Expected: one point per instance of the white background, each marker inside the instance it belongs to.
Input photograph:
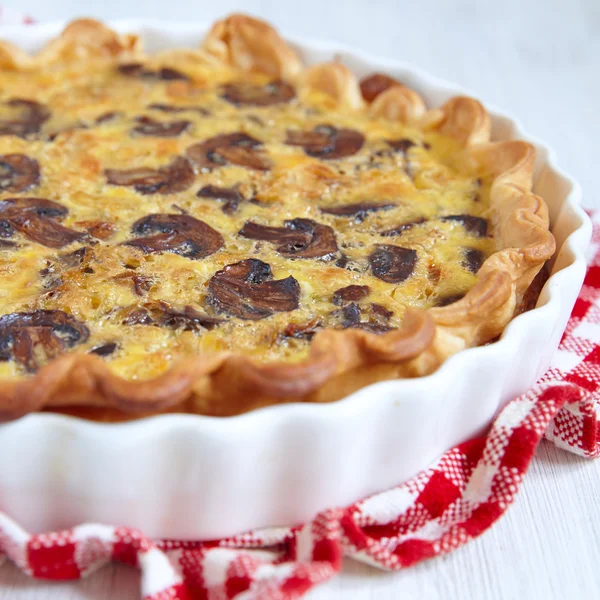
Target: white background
(540, 60)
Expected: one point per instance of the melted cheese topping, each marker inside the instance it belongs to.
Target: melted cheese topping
(73, 151)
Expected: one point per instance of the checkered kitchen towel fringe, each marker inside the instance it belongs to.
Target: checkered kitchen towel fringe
(455, 500)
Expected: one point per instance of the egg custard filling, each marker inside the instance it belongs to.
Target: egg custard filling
(217, 229)
(149, 213)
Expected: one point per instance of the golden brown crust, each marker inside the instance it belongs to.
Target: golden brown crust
(86, 40)
(466, 120)
(398, 103)
(339, 361)
(252, 45)
(520, 221)
(336, 81)
(86, 380)
(82, 40)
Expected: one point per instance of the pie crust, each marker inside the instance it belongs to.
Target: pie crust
(338, 362)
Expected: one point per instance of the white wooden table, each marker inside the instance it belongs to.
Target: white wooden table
(541, 61)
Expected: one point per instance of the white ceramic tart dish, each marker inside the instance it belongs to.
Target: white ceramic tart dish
(190, 476)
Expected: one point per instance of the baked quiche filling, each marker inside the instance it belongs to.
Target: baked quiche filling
(153, 211)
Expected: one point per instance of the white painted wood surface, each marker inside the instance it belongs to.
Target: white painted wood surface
(541, 61)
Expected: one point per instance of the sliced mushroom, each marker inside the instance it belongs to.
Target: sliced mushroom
(327, 142)
(245, 94)
(160, 313)
(138, 316)
(107, 117)
(180, 234)
(392, 264)
(6, 230)
(164, 74)
(18, 173)
(175, 177)
(143, 179)
(381, 312)
(77, 257)
(373, 85)
(244, 157)
(473, 259)
(169, 108)
(351, 317)
(401, 145)
(358, 211)
(475, 225)
(400, 229)
(67, 130)
(188, 319)
(168, 74)
(299, 238)
(150, 127)
(301, 331)
(132, 69)
(101, 230)
(230, 197)
(31, 337)
(247, 290)
(371, 327)
(234, 148)
(181, 176)
(104, 349)
(33, 116)
(36, 219)
(342, 261)
(49, 280)
(140, 283)
(350, 293)
(52, 276)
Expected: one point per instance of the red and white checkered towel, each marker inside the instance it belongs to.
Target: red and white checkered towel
(455, 500)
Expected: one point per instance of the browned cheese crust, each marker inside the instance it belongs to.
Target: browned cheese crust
(223, 228)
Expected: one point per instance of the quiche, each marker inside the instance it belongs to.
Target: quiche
(216, 229)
